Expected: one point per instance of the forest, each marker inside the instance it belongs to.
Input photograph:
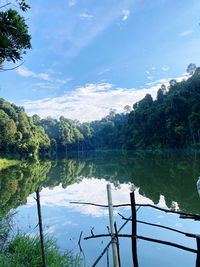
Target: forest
(172, 120)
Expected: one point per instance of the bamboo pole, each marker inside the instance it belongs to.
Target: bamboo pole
(110, 208)
(40, 227)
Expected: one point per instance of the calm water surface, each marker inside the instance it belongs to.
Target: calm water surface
(165, 179)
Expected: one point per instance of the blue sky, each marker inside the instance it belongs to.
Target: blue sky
(89, 56)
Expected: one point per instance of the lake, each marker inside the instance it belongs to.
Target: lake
(166, 179)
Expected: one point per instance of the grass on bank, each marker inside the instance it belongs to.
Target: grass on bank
(22, 250)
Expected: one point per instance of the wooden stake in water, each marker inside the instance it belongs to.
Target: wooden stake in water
(134, 230)
(110, 208)
(198, 251)
(40, 227)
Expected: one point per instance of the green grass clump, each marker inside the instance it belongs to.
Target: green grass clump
(24, 250)
(5, 228)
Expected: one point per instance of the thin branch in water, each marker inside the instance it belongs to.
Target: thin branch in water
(191, 216)
(99, 205)
(108, 229)
(79, 242)
(36, 226)
(107, 257)
(147, 239)
(161, 226)
(138, 208)
(117, 242)
(101, 255)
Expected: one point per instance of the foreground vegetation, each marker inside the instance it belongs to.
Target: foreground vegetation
(24, 250)
(170, 121)
(5, 163)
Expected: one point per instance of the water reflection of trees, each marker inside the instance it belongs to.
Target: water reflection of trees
(18, 182)
(172, 175)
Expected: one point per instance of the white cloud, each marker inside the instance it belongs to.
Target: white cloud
(84, 191)
(27, 73)
(153, 68)
(86, 16)
(72, 3)
(186, 33)
(46, 86)
(103, 71)
(48, 82)
(126, 14)
(166, 80)
(165, 68)
(91, 102)
(160, 81)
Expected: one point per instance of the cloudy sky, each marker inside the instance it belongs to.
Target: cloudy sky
(89, 56)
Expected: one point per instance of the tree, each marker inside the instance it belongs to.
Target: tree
(172, 82)
(160, 96)
(14, 37)
(112, 112)
(163, 88)
(127, 109)
(191, 69)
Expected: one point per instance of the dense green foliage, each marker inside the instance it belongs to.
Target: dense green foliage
(68, 135)
(5, 163)
(170, 121)
(18, 134)
(63, 133)
(14, 37)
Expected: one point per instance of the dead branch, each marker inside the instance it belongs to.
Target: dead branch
(190, 215)
(147, 239)
(161, 226)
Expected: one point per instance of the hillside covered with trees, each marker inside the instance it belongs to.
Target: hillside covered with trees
(170, 121)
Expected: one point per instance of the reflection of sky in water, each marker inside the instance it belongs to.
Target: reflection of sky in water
(66, 221)
(89, 190)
